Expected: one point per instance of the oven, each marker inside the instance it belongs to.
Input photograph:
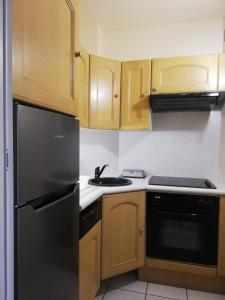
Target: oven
(182, 227)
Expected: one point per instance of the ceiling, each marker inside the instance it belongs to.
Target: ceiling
(125, 14)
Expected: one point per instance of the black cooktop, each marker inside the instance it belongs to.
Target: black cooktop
(182, 182)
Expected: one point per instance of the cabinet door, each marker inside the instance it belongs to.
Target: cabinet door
(44, 37)
(185, 74)
(221, 249)
(135, 91)
(104, 93)
(222, 72)
(82, 85)
(122, 233)
(89, 266)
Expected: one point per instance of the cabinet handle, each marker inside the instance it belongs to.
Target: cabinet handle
(116, 96)
(154, 90)
(77, 54)
(141, 230)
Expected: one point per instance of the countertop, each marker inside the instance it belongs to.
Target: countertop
(89, 193)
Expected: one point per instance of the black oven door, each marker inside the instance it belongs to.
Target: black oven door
(182, 236)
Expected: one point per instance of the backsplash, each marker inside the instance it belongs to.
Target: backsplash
(98, 147)
(181, 144)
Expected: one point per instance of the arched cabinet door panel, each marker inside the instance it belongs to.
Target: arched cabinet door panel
(104, 93)
(122, 233)
(185, 74)
(135, 91)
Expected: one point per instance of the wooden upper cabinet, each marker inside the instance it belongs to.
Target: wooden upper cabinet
(135, 91)
(123, 233)
(82, 85)
(89, 266)
(185, 74)
(45, 33)
(222, 72)
(104, 93)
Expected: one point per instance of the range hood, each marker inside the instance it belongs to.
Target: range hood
(185, 102)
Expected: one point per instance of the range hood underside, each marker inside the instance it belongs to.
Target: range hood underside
(185, 102)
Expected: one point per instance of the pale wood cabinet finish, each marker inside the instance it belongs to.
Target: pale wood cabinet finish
(104, 93)
(135, 91)
(45, 34)
(82, 85)
(90, 246)
(123, 233)
(221, 250)
(222, 72)
(185, 74)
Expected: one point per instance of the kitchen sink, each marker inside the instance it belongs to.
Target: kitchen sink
(109, 181)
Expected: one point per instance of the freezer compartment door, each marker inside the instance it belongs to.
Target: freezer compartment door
(46, 152)
(46, 250)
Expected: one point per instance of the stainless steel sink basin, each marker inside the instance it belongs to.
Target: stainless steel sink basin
(109, 181)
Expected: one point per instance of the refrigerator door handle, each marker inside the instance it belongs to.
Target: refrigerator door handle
(43, 206)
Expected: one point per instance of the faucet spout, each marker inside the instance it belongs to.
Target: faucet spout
(98, 171)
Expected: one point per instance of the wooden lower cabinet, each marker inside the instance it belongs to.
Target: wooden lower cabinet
(90, 246)
(123, 234)
(222, 72)
(221, 249)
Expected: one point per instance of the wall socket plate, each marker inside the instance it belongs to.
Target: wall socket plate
(133, 173)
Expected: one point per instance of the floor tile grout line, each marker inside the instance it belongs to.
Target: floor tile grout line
(122, 289)
(146, 290)
(163, 297)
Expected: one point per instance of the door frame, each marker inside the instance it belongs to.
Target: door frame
(6, 154)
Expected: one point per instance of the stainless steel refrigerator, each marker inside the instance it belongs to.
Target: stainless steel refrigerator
(46, 162)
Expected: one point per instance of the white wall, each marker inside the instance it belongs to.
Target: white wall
(169, 40)
(98, 147)
(92, 39)
(224, 34)
(181, 144)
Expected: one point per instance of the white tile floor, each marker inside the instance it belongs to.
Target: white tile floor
(127, 287)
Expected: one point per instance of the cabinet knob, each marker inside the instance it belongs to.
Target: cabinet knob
(141, 230)
(154, 90)
(116, 96)
(77, 54)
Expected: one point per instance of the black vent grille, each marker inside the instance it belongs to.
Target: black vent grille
(184, 102)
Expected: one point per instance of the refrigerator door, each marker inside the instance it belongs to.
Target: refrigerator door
(46, 152)
(47, 246)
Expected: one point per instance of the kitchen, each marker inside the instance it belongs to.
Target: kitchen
(93, 61)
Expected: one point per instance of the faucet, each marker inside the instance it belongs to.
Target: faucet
(98, 171)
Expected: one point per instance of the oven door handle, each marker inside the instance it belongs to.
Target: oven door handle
(183, 214)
